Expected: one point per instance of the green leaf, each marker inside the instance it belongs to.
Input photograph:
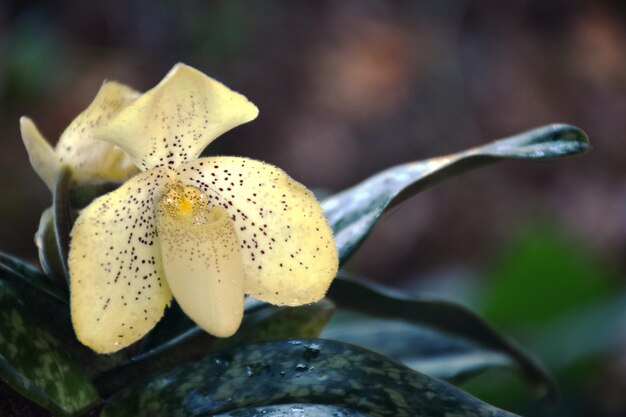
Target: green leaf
(174, 340)
(14, 404)
(48, 307)
(47, 246)
(353, 212)
(457, 321)
(431, 352)
(62, 217)
(34, 363)
(274, 323)
(170, 328)
(53, 236)
(176, 328)
(48, 304)
(295, 371)
(294, 410)
(81, 196)
(32, 276)
(262, 323)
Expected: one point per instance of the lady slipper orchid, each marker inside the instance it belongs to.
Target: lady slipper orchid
(205, 230)
(89, 159)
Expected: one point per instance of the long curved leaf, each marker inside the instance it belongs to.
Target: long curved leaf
(31, 275)
(456, 320)
(62, 217)
(34, 363)
(295, 371)
(353, 212)
(426, 350)
(48, 249)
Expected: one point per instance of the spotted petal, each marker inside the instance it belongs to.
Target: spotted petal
(118, 288)
(202, 260)
(177, 119)
(92, 159)
(289, 255)
(42, 157)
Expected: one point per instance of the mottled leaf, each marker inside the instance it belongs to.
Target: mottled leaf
(262, 323)
(353, 212)
(456, 320)
(175, 339)
(426, 350)
(294, 410)
(34, 363)
(286, 372)
(47, 305)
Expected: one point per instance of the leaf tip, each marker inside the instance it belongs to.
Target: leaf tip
(568, 133)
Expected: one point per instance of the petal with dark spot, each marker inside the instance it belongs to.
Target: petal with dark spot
(288, 251)
(118, 288)
(201, 259)
(177, 119)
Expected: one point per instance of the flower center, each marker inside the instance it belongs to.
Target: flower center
(188, 204)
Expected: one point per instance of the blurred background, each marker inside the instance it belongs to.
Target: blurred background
(349, 88)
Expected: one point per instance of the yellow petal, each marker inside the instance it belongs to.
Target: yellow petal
(118, 289)
(93, 159)
(41, 155)
(289, 253)
(202, 260)
(177, 119)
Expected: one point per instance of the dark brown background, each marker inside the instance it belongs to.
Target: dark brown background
(346, 89)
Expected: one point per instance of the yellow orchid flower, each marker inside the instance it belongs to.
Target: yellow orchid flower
(205, 230)
(89, 159)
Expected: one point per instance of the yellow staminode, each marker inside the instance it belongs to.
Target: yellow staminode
(186, 206)
(205, 230)
(188, 202)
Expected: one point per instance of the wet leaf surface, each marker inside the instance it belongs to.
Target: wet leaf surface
(295, 371)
